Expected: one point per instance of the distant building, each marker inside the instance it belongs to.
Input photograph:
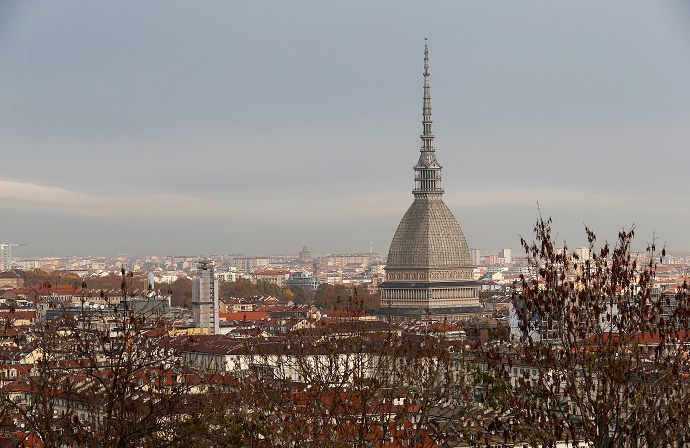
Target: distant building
(227, 276)
(11, 279)
(337, 260)
(277, 276)
(205, 298)
(507, 254)
(250, 264)
(520, 269)
(27, 264)
(150, 306)
(305, 255)
(5, 256)
(52, 297)
(497, 268)
(304, 280)
(429, 270)
(583, 253)
(475, 256)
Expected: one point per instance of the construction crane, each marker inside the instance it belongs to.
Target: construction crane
(6, 254)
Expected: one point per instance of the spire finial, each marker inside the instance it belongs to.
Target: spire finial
(426, 113)
(426, 58)
(428, 170)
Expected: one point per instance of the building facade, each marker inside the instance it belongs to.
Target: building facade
(277, 276)
(429, 268)
(304, 280)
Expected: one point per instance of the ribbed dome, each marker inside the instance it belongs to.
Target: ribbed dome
(428, 237)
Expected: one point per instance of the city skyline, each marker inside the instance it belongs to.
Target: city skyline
(167, 127)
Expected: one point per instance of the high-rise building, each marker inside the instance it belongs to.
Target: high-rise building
(5, 257)
(205, 298)
(507, 255)
(475, 256)
(429, 269)
(583, 253)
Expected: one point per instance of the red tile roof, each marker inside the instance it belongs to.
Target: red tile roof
(61, 290)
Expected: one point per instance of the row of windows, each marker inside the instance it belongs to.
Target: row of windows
(440, 294)
(423, 276)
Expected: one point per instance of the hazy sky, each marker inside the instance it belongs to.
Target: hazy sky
(206, 127)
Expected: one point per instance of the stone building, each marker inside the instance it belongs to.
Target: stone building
(11, 279)
(429, 273)
(305, 255)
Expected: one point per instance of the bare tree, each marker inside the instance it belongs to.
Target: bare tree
(96, 382)
(359, 383)
(596, 354)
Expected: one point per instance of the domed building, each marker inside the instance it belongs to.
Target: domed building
(429, 269)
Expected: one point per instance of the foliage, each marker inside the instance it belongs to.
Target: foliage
(41, 277)
(339, 296)
(330, 296)
(113, 281)
(242, 288)
(180, 290)
(370, 302)
(267, 288)
(301, 295)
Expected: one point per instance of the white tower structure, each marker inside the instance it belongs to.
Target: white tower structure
(205, 298)
(507, 254)
(5, 257)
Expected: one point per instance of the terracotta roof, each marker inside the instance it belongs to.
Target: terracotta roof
(21, 290)
(60, 290)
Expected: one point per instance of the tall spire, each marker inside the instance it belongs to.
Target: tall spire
(427, 169)
(427, 136)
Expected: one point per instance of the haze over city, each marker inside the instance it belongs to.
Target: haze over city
(232, 127)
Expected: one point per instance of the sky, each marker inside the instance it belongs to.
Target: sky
(218, 127)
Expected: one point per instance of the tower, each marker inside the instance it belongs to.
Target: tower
(205, 298)
(429, 269)
(5, 257)
(507, 255)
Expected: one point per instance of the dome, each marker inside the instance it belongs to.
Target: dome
(428, 237)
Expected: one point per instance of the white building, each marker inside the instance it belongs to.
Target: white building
(583, 253)
(227, 276)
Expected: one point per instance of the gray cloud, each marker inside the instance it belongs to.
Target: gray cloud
(297, 123)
